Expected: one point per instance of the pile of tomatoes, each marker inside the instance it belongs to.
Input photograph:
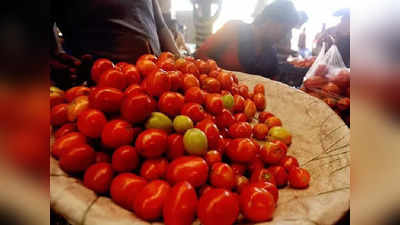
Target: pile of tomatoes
(173, 139)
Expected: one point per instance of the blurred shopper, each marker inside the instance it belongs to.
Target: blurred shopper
(250, 47)
(303, 50)
(178, 33)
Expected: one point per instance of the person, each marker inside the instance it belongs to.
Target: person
(303, 51)
(249, 47)
(177, 31)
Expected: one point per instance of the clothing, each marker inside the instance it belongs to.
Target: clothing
(119, 30)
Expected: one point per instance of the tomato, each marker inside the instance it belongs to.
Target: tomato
(256, 164)
(195, 95)
(226, 80)
(107, 100)
(179, 63)
(202, 66)
(289, 162)
(280, 174)
(244, 91)
(262, 174)
(157, 83)
(343, 103)
(235, 89)
(257, 204)
(149, 202)
(152, 143)
(125, 187)
(189, 80)
(218, 207)
(193, 169)
(67, 141)
(238, 169)
(166, 55)
(98, 177)
(240, 182)
(212, 157)
(190, 68)
(221, 176)
(331, 88)
(132, 75)
(273, 152)
(153, 169)
(259, 88)
(225, 119)
(212, 65)
(91, 123)
(117, 133)
(125, 159)
(194, 111)
(166, 64)
(176, 79)
(241, 117)
(203, 189)
(150, 57)
(121, 65)
(238, 105)
(260, 131)
(76, 107)
(65, 129)
(241, 150)
(58, 115)
(180, 205)
(171, 103)
(175, 146)
(211, 85)
(263, 116)
(299, 178)
(213, 73)
(77, 158)
(136, 108)
(273, 122)
(211, 131)
(112, 78)
(214, 103)
(99, 66)
(56, 96)
(250, 108)
(259, 101)
(240, 130)
(102, 157)
(146, 67)
(133, 88)
(271, 188)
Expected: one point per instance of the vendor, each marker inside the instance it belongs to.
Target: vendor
(249, 48)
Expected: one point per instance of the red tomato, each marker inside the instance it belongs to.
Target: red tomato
(149, 202)
(191, 68)
(152, 143)
(125, 159)
(212, 157)
(136, 108)
(260, 131)
(76, 107)
(212, 65)
(179, 63)
(226, 80)
(213, 73)
(189, 80)
(202, 66)
(117, 133)
(146, 67)
(107, 100)
(65, 129)
(67, 141)
(241, 117)
(194, 111)
(56, 97)
(157, 83)
(244, 91)
(176, 79)
(188, 168)
(235, 79)
(175, 146)
(259, 101)
(171, 103)
(153, 169)
(58, 114)
(256, 164)
(238, 169)
(121, 65)
(250, 108)
(280, 175)
(257, 204)
(262, 175)
(273, 122)
(98, 177)
(195, 95)
(99, 66)
(113, 78)
(132, 75)
(77, 158)
(214, 103)
(133, 88)
(259, 88)
(204, 189)
(240, 182)
(211, 85)
(125, 187)
(211, 131)
(225, 119)
(238, 105)
(235, 89)
(180, 205)
(202, 77)
(91, 123)
(241, 150)
(166, 64)
(166, 55)
(218, 207)
(221, 176)
(271, 188)
(299, 178)
(263, 116)
(150, 57)
(102, 157)
(289, 162)
(240, 130)
(273, 152)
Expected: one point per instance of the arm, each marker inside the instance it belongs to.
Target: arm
(164, 34)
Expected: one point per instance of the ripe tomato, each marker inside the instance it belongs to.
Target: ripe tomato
(99, 66)
(149, 202)
(343, 103)
(203, 189)
(250, 108)
(102, 157)
(271, 188)
(67, 141)
(212, 64)
(202, 66)
(58, 115)
(218, 207)
(202, 77)
(211, 131)
(193, 169)
(263, 116)
(117, 133)
(260, 131)
(240, 182)
(241, 150)
(98, 177)
(226, 80)
(257, 204)
(121, 65)
(176, 79)
(133, 88)
(136, 108)
(213, 73)
(273, 152)
(225, 119)
(179, 63)
(240, 130)
(113, 78)
(256, 164)
(153, 169)
(211, 85)
(194, 111)
(175, 146)
(146, 67)
(132, 75)
(299, 178)
(212, 157)
(273, 122)
(280, 175)
(166, 64)
(289, 162)
(259, 88)
(76, 107)
(65, 129)
(259, 101)
(107, 100)
(238, 169)
(195, 95)
(214, 103)
(157, 83)
(241, 117)
(244, 91)
(180, 205)
(91, 123)
(125, 159)
(238, 105)
(171, 103)
(221, 176)
(150, 57)
(56, 96)
(191, 68)
(166, 55)
(152, 143)
(262, 174)
(189, 80)
(77, 158)
(124, 189)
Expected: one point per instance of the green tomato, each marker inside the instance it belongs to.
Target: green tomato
(182, 123)
(195, 142)
(159, 120)
(279, 133)
(228, 101)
